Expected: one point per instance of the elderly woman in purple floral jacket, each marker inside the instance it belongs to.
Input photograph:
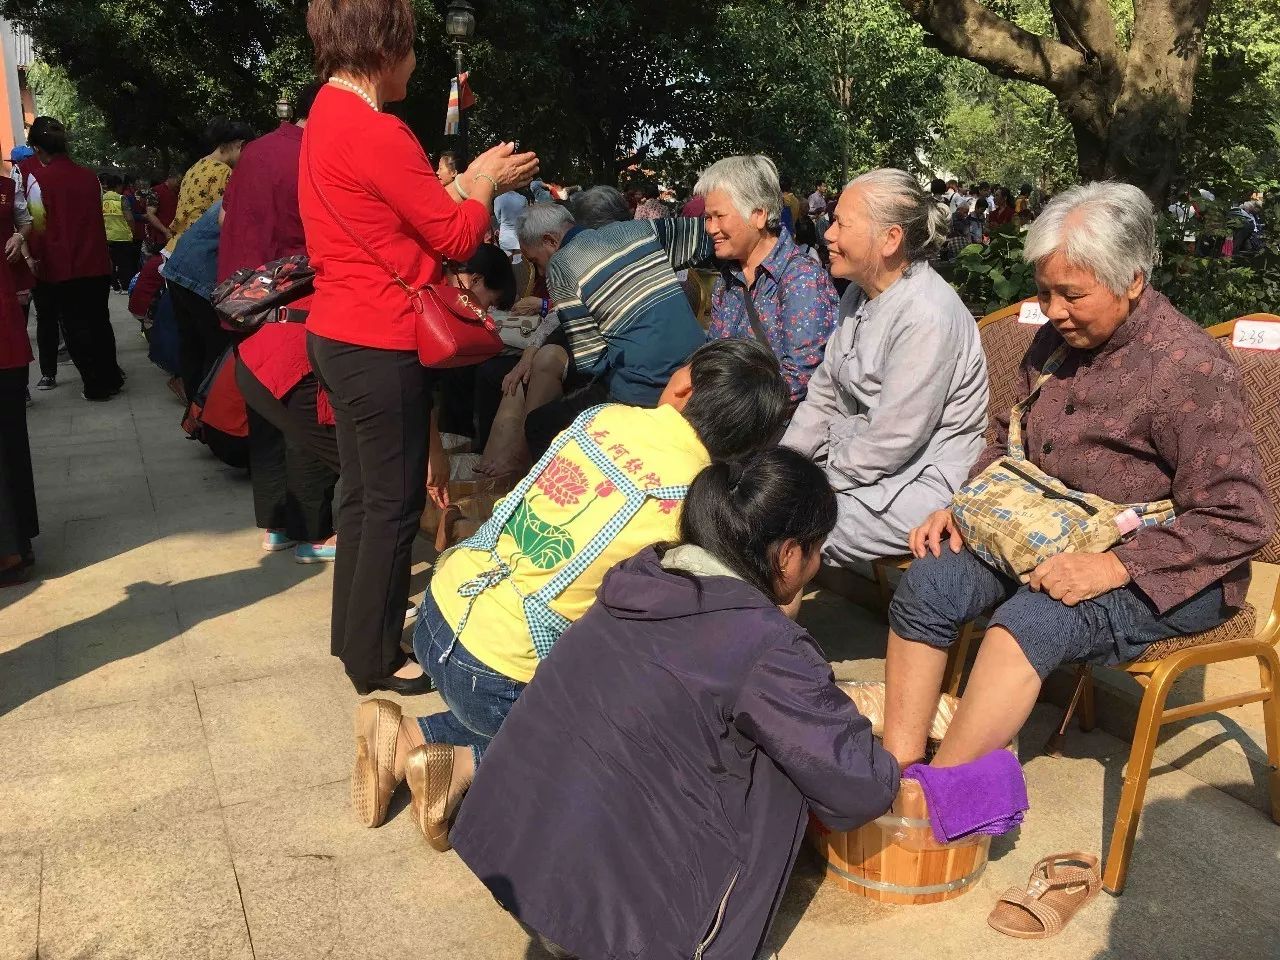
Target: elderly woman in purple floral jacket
(770, 290)
(648, 793)
(1145, 407)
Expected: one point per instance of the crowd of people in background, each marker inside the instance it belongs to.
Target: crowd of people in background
(673, 462)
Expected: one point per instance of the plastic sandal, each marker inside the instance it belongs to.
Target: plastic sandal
(1054, 894)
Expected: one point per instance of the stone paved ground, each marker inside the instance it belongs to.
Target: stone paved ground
(175, 744)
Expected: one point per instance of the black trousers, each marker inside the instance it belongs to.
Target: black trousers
(382, 404)
(201, 339)
(456, 389)
(292, 486)
(80, 308)
(19, 522)
(124, 262)
(48, 330)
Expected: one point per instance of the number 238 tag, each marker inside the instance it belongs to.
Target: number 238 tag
(1256, 335)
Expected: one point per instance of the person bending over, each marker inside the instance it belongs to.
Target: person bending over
(609, 486)
(685, 719)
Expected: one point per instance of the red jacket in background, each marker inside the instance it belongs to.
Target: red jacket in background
(166, 210)
(73, 240)
(15, 346)
(261, 222)
(375, 174)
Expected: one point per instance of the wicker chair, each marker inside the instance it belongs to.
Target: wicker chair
(697, 289)
(1004, 341)
(1246, 636)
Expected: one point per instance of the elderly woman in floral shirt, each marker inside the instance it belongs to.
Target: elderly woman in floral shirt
(769, 290)
(1144, 407)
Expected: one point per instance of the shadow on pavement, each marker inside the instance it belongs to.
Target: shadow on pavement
(210, 596)
(1198, 887)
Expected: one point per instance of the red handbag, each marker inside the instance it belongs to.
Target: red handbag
(451, 329)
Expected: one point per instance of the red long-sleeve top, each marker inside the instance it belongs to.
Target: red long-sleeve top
(376, 176)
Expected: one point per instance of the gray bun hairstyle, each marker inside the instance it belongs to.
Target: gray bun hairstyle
(895, 198)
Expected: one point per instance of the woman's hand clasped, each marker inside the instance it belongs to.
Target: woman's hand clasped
(1076, 577)
(508, 170)
(929, 536)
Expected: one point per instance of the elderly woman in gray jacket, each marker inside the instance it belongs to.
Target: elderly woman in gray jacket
(896, 412)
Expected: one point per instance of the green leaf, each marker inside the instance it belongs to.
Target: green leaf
(545, 544)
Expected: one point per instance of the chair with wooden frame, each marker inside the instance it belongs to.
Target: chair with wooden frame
(1245, 636)
(1004, 341)
(697, 286)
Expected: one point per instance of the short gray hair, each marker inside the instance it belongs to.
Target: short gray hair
(1105, 227)
(751, 183)
(599, 206)
(540, 219)
(895, 198)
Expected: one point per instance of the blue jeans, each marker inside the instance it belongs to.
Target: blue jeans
(478, 697)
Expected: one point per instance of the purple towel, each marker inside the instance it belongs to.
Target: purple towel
(988, 795)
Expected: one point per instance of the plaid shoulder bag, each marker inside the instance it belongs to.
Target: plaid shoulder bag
(1015, 516)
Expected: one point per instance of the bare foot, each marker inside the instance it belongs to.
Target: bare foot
(499, 466)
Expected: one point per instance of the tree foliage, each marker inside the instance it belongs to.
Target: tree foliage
(825, 87)
(1003, 131)
(158, 70)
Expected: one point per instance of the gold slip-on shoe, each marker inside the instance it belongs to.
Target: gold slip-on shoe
(373, 780)
(436, 791)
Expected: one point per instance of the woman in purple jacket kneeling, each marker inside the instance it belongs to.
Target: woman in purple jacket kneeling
(647, 796)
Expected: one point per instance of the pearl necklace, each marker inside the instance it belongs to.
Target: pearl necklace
(359, 92)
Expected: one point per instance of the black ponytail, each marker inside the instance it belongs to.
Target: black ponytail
(741, 512)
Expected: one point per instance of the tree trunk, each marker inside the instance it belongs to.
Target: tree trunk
(1127, 108)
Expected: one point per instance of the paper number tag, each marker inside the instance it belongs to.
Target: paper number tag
(1256, 335)
(1030, 313)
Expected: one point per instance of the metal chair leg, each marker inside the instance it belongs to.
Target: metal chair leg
(957, 659)
(1269, 669)
(1053, 746)
(881, 572)
(1088, 714)
(1136, 774)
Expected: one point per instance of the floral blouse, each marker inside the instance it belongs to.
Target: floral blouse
(797, 305)
(201, 188)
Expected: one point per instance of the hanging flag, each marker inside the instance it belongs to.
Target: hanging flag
(451, 114)
(456, 102)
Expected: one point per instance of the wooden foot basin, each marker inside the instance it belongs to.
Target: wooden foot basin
(894, 858)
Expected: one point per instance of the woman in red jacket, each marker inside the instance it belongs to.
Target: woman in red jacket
(18, 521)
(363, 173)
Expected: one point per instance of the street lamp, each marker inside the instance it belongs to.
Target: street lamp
(460, 24)
(284, 108)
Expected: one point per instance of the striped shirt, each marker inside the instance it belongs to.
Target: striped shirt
(621, 306)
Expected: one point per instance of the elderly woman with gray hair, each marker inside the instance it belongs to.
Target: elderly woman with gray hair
(896, 412)
(1120, 397)
(769, 290)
